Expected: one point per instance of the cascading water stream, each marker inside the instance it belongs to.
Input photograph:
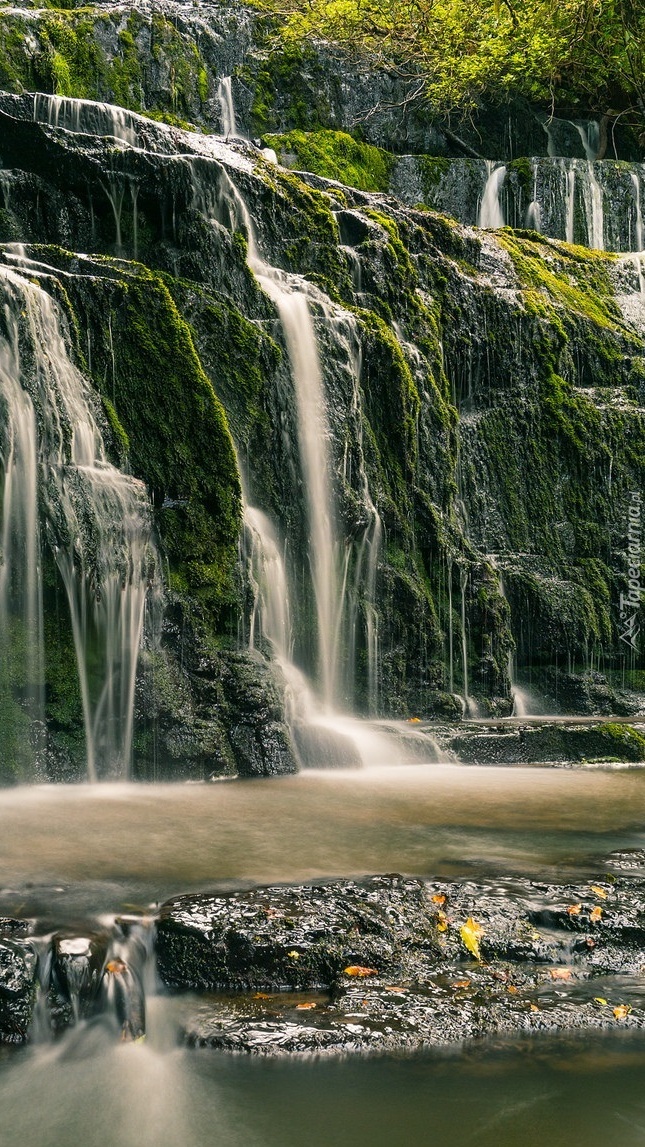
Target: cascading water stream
(329, 566)
(97, 520)
(87, 116)
(638, 229)
(491, 214)
(227, 106)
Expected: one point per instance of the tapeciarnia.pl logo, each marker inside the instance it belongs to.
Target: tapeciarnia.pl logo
(630, 602)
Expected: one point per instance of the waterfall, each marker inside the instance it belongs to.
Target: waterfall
(638, 233)
(88, 116)
(321, 732)
(227, 106)
(291, 296)
(21, 627)
(533, 212)
(594, 204)
(97, 519)
(570, 201)
(490, 211)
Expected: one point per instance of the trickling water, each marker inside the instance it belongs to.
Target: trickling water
(227, 106)
(86, 116)
(21, 628)
(638, 233)
(270, 616)
(570, 201)
(97, 520)
(490, 212)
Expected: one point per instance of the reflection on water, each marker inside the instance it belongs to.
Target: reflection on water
(71, 854)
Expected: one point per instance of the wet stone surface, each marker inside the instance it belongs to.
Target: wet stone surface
(384, 964)
(18, 964)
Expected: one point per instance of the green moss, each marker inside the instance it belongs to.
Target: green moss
(335, 155)
(289, 91)
(557, 275)
(121, 440)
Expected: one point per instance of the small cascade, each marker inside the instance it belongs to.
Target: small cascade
(86, 116)
(97, 522)
(471, 708)
(21, 626)
(227, 107)
(569, 177)
(533, 211)
(491, 214)
(103, 975)
(638, 230)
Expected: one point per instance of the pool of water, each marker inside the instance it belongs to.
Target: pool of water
(71, 855)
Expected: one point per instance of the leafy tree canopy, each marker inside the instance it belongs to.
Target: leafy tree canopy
(563, 53)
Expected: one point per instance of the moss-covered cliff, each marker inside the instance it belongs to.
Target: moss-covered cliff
(483, 394)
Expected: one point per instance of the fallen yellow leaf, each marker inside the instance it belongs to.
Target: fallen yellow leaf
(358, 970)
(438, 898)
(533, 1008)
(461, 984)
(574, 909)
(116, 966)
(560, 973)
(512, 989)
(293, 955)
(471, 933)
(261, 996)
(598, 891)
(414, 720)
(442, 922)
(621, 1011)
(600, 1000)
(304, 1007)
(596, 914)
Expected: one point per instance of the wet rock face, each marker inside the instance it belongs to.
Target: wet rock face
(390, 963)
(76, 972)
(291, 938)
(18, 963)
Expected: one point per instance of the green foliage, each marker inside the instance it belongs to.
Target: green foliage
(60, 51)
(335, 155)
(563, 52)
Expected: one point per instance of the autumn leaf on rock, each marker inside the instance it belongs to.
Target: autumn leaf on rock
(461, 984)
(621, 1011)
(359, 971)
(596, 914)
(442, 922)
(471, 933)
(600, 1000)
(439, 899)
(598, 891)
(304, 1007)
(574, 909)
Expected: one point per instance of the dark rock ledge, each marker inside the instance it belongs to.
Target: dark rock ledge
(273, 961)
(387, 963)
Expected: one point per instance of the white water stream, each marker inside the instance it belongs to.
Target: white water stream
(97, 521)
(491, 214)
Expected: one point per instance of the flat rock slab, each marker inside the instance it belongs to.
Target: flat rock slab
(293, 938)
(551, 958)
